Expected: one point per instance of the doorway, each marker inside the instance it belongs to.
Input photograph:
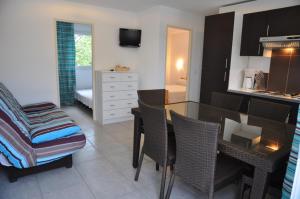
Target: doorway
(177, 64)
(75, 64)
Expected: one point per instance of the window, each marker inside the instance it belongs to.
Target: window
(83, 45)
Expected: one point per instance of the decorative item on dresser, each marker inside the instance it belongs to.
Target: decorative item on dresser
(116, 94)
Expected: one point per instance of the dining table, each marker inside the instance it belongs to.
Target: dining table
(261, 143)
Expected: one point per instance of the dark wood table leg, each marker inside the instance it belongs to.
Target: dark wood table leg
(260, 184)
(136, 141)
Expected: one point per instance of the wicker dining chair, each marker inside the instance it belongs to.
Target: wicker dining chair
(226, 101)
(269, 110)
(197, 162)
(157, 144)
(154, 97)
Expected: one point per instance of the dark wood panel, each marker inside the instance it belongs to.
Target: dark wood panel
(293, 83)
(278, 71)
(278, 22)
(216, 52)
(254, 27)
(284, 21)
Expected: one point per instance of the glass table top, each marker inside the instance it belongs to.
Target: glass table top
(257, 134)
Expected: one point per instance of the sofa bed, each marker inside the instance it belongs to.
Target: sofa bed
(35, 137)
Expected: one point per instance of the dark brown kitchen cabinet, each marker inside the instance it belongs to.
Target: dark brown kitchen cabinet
(218, 35)
(279, 69)
(293, 83)
(279, 22)
(284, 21)
(254, 27)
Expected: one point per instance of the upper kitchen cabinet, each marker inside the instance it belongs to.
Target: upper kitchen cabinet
(284, 21)
(279, 22)
(254, 27)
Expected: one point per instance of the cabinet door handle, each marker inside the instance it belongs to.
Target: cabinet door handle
(258, 52)
(268, 30)
(225, 76)
(226, 63)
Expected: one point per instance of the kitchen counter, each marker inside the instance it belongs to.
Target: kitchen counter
(256, 93)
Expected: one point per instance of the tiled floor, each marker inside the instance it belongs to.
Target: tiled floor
(101, 170)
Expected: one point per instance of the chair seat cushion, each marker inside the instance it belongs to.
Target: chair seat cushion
(50, 151)
(227, 170)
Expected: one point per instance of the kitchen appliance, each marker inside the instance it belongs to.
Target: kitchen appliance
(249, 78)
(248, 83)
(292, 41)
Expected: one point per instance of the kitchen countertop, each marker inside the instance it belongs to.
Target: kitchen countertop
(256, 93)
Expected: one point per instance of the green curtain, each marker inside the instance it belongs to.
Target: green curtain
(291, 169)
(66, 62)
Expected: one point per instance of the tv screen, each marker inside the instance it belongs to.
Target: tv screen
(130, 37)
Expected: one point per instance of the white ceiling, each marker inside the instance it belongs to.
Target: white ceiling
(194, 6)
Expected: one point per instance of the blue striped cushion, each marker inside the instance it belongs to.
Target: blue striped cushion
(291, 169)
(14, 145)
(14, 118)
(50, 125)
(13, 105)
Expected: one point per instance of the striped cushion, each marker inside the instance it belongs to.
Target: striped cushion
(291, 168)
(53, 130)
(13, 105)
(50, 125)
(10, 96)
(14, 145)
(38, 107)
(59, 148)
(14, 118)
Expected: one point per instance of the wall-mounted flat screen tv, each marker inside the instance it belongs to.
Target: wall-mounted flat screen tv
(130, 37)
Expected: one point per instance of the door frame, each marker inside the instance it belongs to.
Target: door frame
(93, 57)
(188, 61)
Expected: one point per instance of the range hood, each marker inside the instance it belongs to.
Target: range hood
(292, 41)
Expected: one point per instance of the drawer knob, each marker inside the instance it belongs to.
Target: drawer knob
(112, 87)
(112, 105)
(112, 96)
(129, 86)
(112, 114)
(129, 76)
(129, 103)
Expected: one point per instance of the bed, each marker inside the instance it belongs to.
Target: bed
(85, 96)
(176, 93)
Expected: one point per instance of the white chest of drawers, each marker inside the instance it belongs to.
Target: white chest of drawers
(116, 95)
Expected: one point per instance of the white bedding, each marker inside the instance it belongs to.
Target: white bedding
(176, 93)
(85, 96)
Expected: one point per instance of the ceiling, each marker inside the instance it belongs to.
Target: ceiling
(194, 6)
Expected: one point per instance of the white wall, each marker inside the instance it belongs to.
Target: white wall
(238, 63)
(27, 37)
(28, 62)
(154, 23)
